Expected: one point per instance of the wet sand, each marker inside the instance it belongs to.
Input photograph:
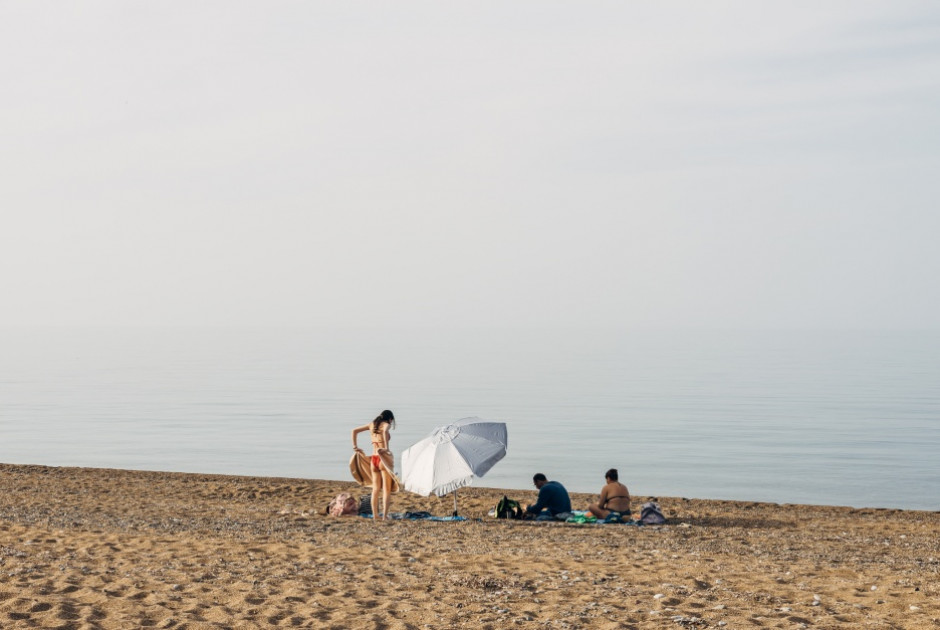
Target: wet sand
(99, 548)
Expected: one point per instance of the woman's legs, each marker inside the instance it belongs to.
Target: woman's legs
(386, 491)
(376, 489)
(598, 511)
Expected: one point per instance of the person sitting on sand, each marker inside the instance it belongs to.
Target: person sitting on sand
(615, 498)
(553, 502)
(381, 484)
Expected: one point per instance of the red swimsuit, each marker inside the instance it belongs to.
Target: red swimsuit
(376, 460)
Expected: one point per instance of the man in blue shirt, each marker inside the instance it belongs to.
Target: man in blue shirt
(553, 503)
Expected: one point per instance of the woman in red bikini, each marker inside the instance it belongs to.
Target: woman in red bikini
(381, 483)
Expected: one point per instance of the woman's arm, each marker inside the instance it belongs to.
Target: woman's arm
(603, 500)
(356, 432)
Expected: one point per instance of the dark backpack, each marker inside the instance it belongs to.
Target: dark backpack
(507, 508)
(650, 514)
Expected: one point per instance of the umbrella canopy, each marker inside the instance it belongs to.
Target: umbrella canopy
(450, 457)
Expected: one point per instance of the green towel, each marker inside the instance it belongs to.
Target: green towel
(578, 516)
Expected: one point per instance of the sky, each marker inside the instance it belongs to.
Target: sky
(545, 164)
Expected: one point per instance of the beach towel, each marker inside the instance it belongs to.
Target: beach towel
(545, 515)
(360, 466)
(420, 516)
(582, 517)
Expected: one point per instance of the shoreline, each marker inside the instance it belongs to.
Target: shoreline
(511, 492)
(109, 548)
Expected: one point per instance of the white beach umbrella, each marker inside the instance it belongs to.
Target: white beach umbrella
(452, 455)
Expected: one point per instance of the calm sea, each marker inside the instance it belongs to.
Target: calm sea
(839, 418)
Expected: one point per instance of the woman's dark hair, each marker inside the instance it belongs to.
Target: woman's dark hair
(385, 416)
(611, 474)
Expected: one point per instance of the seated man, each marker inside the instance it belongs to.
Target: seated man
(553, 502)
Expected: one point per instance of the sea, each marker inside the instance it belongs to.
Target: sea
(791, 417)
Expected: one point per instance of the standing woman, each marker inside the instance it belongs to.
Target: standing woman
(381, 456)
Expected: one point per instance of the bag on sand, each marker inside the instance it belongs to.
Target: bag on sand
(507, 508)
(650, 514)
(343, 504)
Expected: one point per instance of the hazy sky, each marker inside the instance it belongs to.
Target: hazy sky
(704, 164)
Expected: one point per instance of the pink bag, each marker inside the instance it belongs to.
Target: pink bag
(343, 504)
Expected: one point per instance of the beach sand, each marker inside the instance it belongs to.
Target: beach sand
(97, 548)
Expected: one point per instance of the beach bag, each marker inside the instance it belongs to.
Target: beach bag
(650, 514)
(344, 504)
(507, 508)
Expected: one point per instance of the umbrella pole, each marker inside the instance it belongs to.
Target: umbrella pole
(455, 503)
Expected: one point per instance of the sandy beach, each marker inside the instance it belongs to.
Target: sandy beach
(98, 548)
